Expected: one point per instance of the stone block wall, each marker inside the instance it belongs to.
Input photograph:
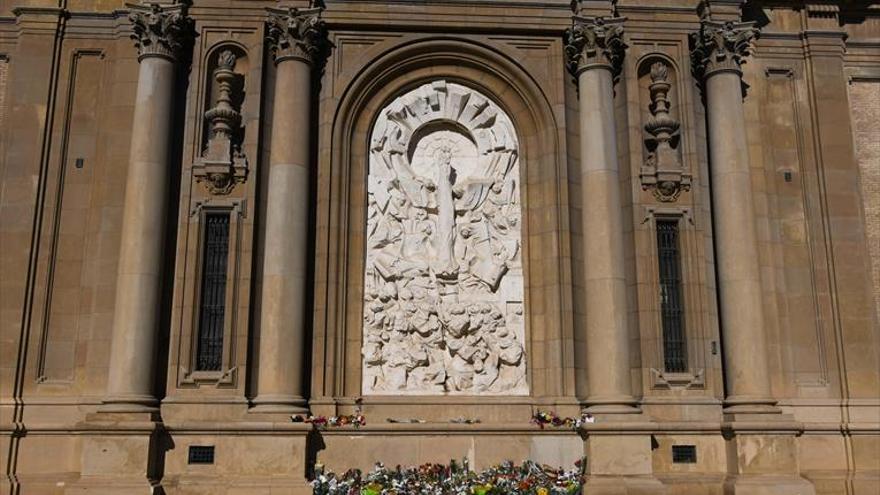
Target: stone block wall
(865, 107)
(68, 83)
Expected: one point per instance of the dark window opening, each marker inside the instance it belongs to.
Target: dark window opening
(671, 300)
(201, 454)
(684, 454)
(212, 310)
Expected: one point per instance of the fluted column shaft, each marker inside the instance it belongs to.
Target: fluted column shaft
(594, 48)
(160, 33)
(294, 36)
(719, 50)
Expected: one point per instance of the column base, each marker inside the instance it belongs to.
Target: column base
(611, 405)
(750, 405)
(129, 404)
(280, 404)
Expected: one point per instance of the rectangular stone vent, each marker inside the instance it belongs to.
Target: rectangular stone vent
(201, 454)
(684, 454)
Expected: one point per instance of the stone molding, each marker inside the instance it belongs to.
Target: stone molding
(595, 43)
(721, 47)
(161, 30)
(296, 34)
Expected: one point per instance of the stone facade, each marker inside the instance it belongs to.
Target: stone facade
(447, 215)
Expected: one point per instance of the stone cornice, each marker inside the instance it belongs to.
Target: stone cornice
(163, 31)
(595, 43)
(298, 34)
(721, 47)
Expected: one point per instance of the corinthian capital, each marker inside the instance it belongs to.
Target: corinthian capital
(594, 42)
(161, 30)
(721, 46)
(296, 33)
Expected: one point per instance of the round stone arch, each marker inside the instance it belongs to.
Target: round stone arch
(342, 208)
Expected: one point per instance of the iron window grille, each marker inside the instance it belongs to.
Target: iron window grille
(212, 310)
(671, 299)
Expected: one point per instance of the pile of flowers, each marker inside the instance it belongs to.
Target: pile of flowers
(542, 419)
(323, 422)
(528, 478)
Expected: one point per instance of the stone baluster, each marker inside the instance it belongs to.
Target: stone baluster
(719, 49)
(296, 37)
(161, 34)
(594, 50)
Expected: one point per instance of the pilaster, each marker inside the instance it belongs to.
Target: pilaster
(161, 34)
(296, 39)
(761, 446)
(594, 48)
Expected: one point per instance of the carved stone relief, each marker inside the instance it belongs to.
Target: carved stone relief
(443, 282)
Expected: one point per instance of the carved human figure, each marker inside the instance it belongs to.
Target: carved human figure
(445, 267)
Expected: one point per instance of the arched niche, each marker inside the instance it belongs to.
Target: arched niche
(443, 278)
(344, 153)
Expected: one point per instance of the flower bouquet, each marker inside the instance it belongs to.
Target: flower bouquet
(324, 422)
(529, 478)
(543, 419)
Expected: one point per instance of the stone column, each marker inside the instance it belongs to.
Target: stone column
(160, 33)
(295, 37)
(594, 49)
(719, 50)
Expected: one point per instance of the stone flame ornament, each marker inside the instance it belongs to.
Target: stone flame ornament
(443, 279)
(662, 171)
(161, 30)
(223, 165)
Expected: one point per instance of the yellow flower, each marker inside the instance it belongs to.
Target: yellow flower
(543, 491)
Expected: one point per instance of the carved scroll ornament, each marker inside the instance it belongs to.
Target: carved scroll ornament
(223, 165)
(161, 30)
(443, 283)
(595, 42)
(296, 34)
(721, 46)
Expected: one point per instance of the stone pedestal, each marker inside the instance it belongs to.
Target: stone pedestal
(118, 454)
(249, 458)
(762, 455)
(619, 459)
